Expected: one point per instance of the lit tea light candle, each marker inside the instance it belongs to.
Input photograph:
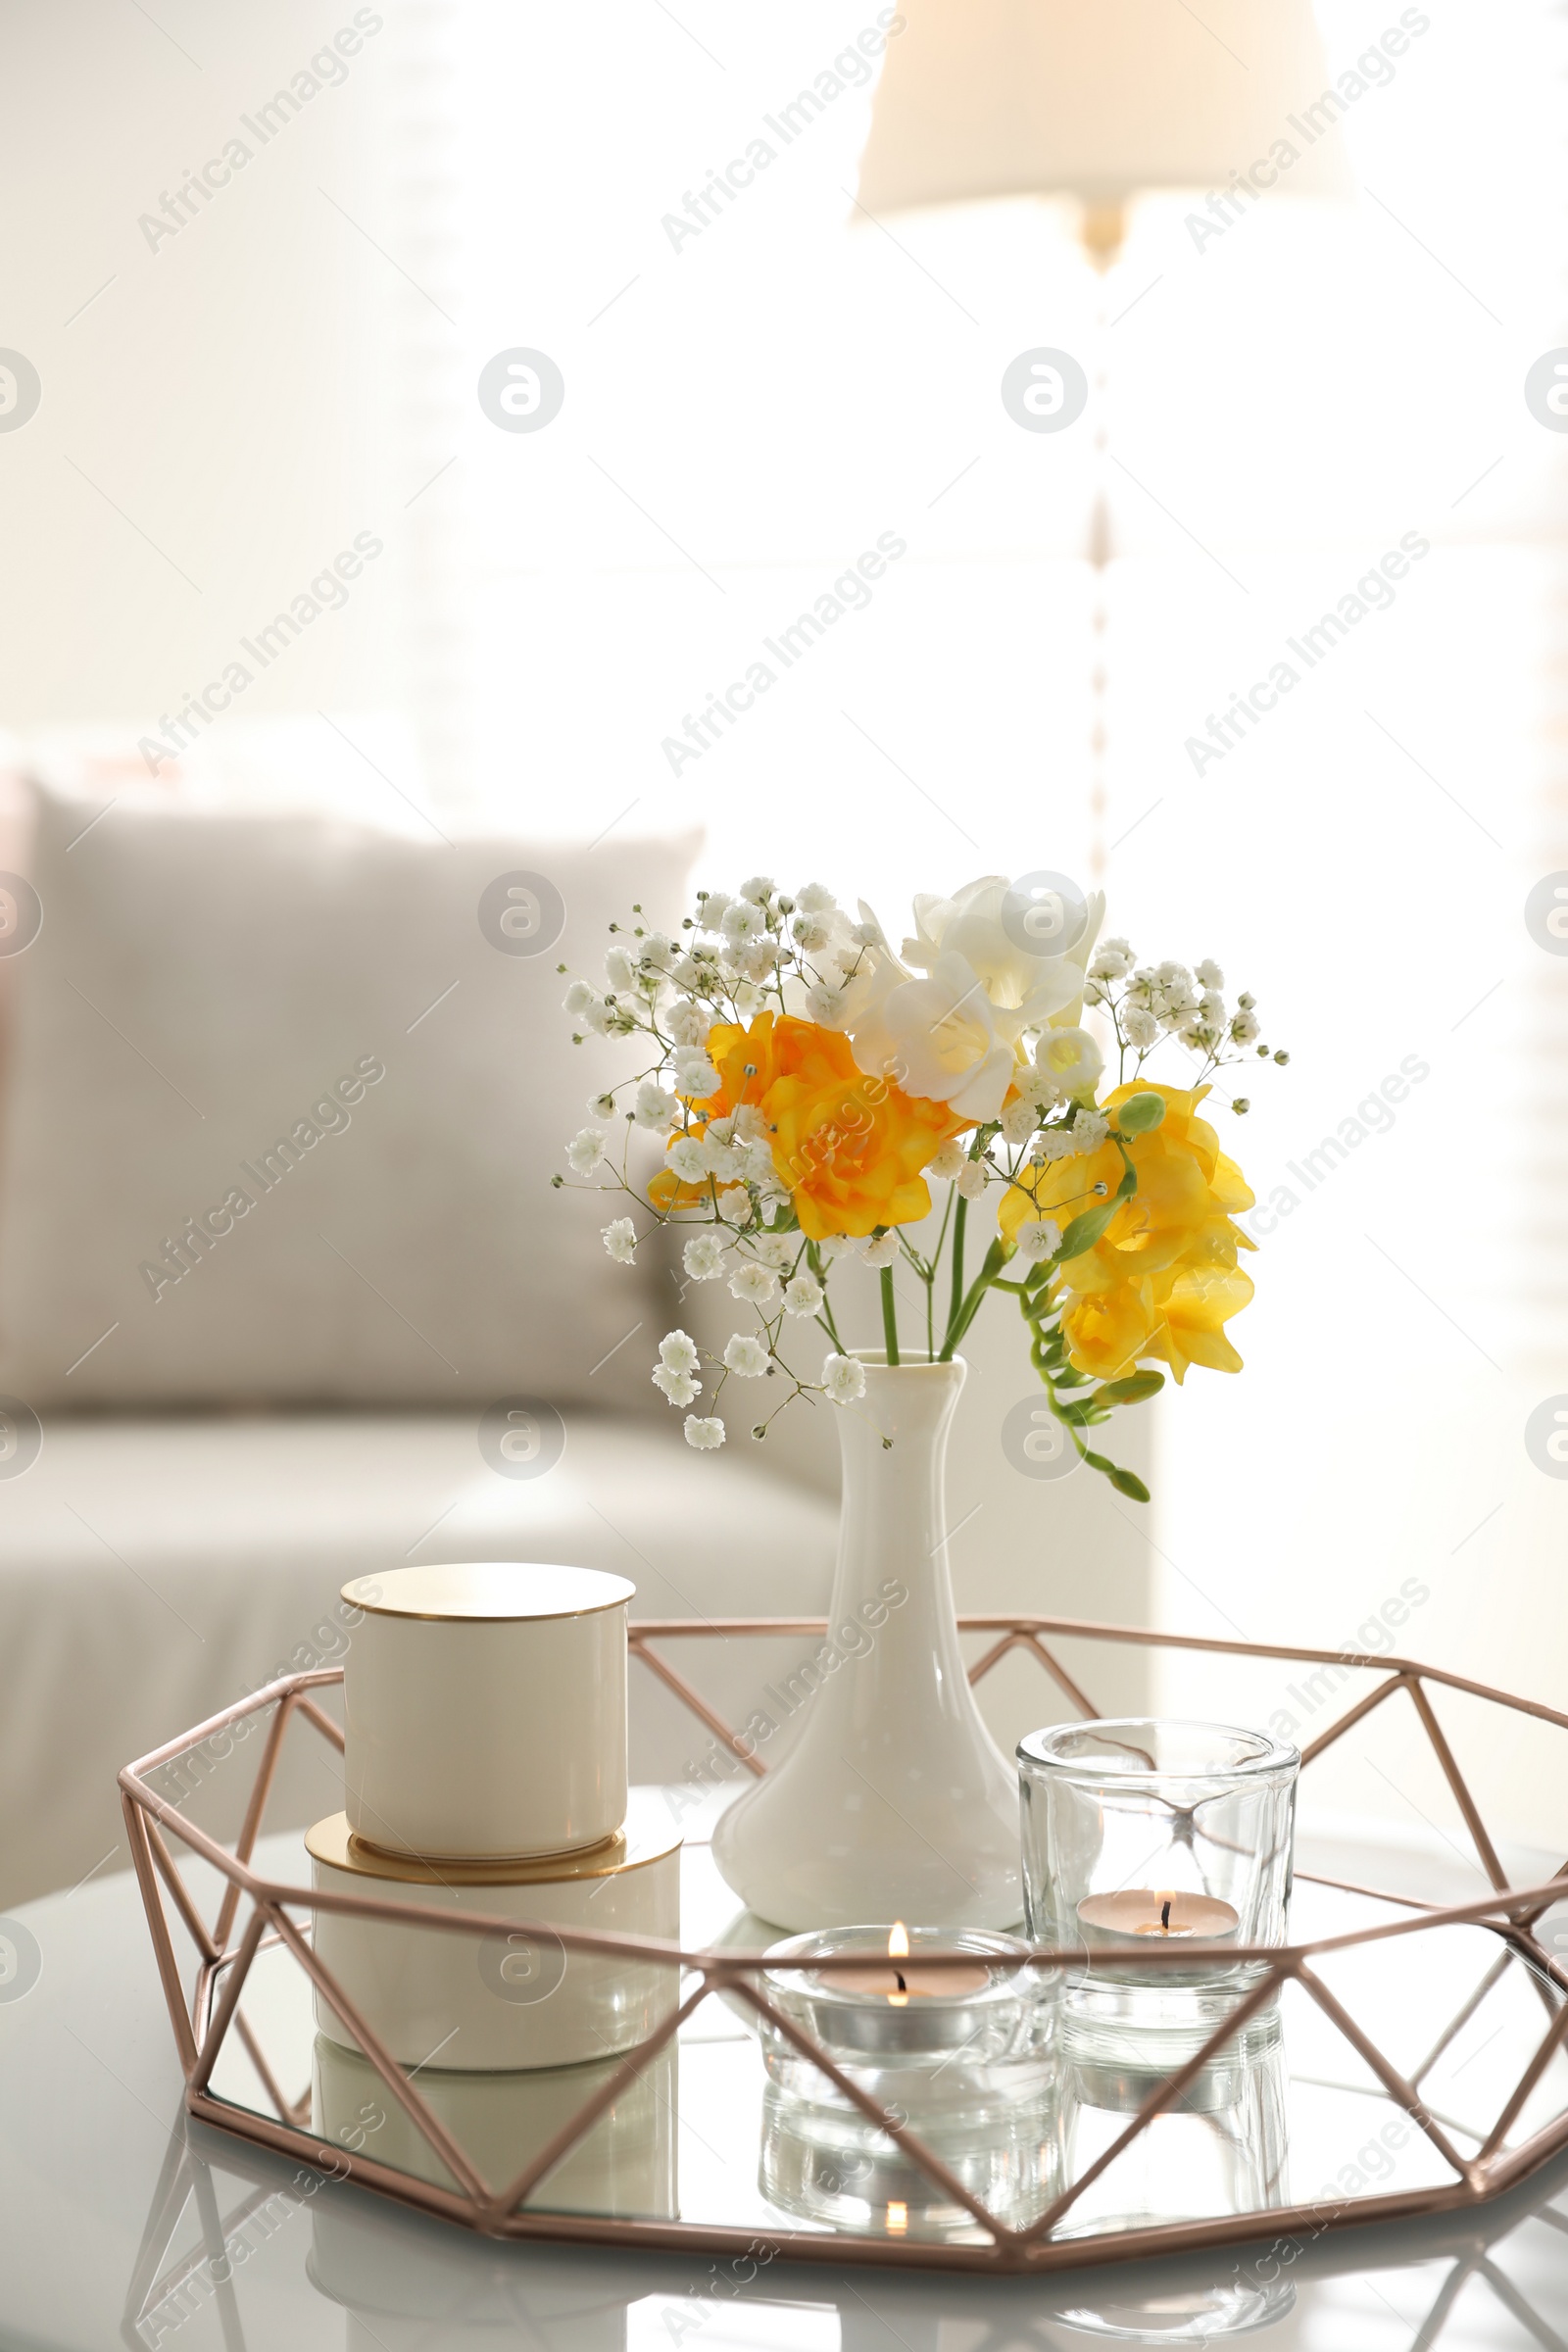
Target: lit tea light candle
(919, 1998)
(1159, 1914)
(904, 1980)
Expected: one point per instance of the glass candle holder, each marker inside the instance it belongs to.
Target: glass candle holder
(1140, 1832)
(925, 2040)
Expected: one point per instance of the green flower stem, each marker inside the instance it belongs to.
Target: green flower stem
(959, 1219)
(996, 1258)
(890, 1321)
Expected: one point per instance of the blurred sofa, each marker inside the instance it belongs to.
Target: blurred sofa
(280, 1266)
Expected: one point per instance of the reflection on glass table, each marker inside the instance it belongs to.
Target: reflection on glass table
(1291, 2113)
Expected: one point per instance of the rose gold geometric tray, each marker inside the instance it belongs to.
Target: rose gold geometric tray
(1399, 2057)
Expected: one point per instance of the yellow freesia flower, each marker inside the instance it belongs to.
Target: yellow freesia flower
(1162, 1281)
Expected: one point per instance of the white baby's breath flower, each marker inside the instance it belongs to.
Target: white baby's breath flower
(705, 1256)
(658, 953)
(619, 969)
(704, 1435)
(654, 1109)
(1038, 1238)
(757, 1164)
(1245, 1028)
(688, 1023)
(598, 1016)
(948, 1160)
(971, 1179)
(809, 934)
(695, 1074)
(601, 1106)
(744, 923)
(677, 1388)
(826, 1005)
(748, 1124)
(760, 889)
(1140, 1027)
(1019, 1121)
(577, 999)
(1089, 1130)
(802, 1296)
(842, 1377)
(722, 1159)
(687, 1158)
(843, 1244)
(735, 1206)
(1112, 960)
(1052, 1143)
(620, 1238)
(585, 1151)
(1210, 973)
(775, 1250)
(816, 899)
(755, 1284)
(748, 999)
(712, 910)
(746, 1356)
(884, 1250)
(678, 1351)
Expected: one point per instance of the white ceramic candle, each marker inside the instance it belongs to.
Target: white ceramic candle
(466, 2002)
(486, 1709)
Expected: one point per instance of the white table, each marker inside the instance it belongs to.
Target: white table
(114, 2215)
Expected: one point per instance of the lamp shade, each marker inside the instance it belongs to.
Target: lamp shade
(1100, 99)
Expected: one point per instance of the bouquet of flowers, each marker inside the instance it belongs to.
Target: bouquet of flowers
(812, 1086)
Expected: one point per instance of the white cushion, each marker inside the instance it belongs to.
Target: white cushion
(153, 1571)
(205, 982)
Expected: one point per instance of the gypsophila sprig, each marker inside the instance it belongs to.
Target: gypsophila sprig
(809, 1087)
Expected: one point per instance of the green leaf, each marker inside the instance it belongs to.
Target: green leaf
(1133, 1389)
(1140, 1114)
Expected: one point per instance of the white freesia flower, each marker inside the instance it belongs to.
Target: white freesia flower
(585, 1151)
(755, 1284)
(746, 1356)
(735, 1206)
(677, 1350)
(704, 1435)
(842, 1377)
(677, 1388)
(1025, 989)
(686, 1156)
(802, 1296)
(971, 1179)
(949, 1162)
(939, 1034)
(1071, 1059)
(705, 1256)
(654, 1109)
(884, 1250)
(1038, 1238)
(620, 1238)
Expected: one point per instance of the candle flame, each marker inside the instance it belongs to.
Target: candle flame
(899, 1941)
(898, 2219)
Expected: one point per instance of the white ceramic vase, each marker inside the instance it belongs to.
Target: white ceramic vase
(894, 1802)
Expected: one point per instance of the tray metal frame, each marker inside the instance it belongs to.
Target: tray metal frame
(226, 1952)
